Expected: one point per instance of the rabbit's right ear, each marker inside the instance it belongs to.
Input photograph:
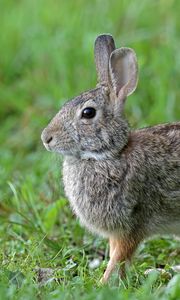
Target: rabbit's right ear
(123, 70)
(103, 47)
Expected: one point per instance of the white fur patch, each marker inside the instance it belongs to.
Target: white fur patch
(97, 156)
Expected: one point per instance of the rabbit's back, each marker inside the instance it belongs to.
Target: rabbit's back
(171, 131)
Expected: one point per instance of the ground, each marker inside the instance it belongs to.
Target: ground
(46, 57)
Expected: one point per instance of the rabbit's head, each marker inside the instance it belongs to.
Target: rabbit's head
(92, 124)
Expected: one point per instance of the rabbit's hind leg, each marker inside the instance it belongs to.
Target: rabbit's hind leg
(112, 246)
(120, 251)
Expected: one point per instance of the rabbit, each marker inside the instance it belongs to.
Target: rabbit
(122, 184)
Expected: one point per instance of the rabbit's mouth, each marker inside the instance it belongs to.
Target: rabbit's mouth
(64, 152)
(47, 146)
(53, 143)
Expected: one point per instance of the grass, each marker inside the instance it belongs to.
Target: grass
(46, 57)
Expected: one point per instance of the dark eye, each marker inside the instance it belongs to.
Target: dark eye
(88, 113)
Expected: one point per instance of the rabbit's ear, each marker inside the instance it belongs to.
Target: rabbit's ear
(123, 70)
(103, 47)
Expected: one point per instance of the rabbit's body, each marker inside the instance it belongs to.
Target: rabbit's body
(133, 194)
(122, 184)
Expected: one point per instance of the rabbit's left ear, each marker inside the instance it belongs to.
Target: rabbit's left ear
(123, 70)
(103, 47)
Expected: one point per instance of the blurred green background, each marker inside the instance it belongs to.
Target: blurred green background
(46, 57)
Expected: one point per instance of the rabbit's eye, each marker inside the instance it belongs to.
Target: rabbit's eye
(88, 113)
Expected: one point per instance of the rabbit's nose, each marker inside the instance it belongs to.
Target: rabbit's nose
(49, 139)
(46, 137)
